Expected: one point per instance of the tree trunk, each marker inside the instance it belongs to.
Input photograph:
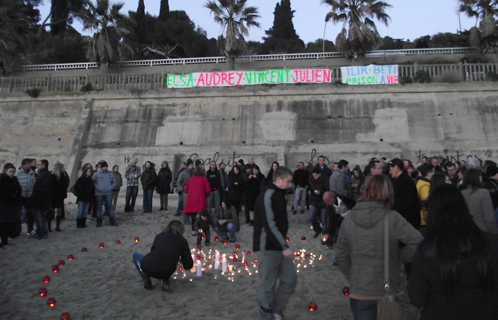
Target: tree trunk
(230, 63)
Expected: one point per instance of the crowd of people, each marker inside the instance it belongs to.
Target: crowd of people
(440, 218)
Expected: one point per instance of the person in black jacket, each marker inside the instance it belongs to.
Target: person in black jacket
(162, 260)
(203, 224)
(252, 191)
(318, 209)
(269, 242)
(10, 202)
(455, 269)
(85, 193)
(406, 201)
(59, 193)
(149, 180)
(213, 177)
(41, 199)
(236, 188)
(164, 177)
(300, 178)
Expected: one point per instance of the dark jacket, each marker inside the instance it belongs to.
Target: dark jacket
(214, 179)
(473, 299)
(320, 185)
(162, 260)
(252, 190)
(41, 198)
(301, 178)
(10, 198)
(270, 220)
(235, 186)
(164, 178)
(203, 224)
(223, 179)
(492, 186)
(59, 189)
(119, 180)
(230, 215)
(149, 178)
(85, 189)
(406, 201)
(360, 248)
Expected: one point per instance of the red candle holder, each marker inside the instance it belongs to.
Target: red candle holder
(46, 279)
(101, 245)
(84, 250)
(51, 302)
(65, 316)
(248, 253)
(118, 241)
(312, 306)
(234, 259)
(255, 260)
(303, 238)
(70, 257)
(237, 247)
(42, 292)
(245, 263)
(61, 263)
(203, 236)
(225, 242)
(55, 269)
(199, 257)
(137, 239)
(287, 239)
(199, 249)
(345, 291)
(216, 238)
(180, 268)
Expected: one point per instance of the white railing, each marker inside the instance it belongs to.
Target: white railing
(136, 83)
(252, 58)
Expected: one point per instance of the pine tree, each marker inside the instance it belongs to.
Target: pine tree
(164, 10)
(282, 36)
(140, 19)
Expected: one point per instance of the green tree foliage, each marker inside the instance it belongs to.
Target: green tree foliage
(359, 33)
(485, 34)
(15, 29)
(443, 40)
(62, 13)
(318, 46)
(282, 37)
(62, 48)
(164, 10)
(108, 24)
(235, 19)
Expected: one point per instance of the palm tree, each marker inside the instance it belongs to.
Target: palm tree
(486, 35)
(108, 24)
(236, 18)
(359, 33)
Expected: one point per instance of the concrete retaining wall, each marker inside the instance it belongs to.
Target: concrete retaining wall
(286, 123)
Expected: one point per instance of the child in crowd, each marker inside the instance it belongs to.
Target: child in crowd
(202, 224)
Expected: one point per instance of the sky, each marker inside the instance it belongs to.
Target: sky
(410, 19)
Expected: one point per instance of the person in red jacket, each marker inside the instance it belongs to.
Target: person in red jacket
(197, 190)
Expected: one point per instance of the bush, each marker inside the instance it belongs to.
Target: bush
(405, 80)
(422, 76)
(450, 76)
(87, 87)
(492, 76)
(33, 92)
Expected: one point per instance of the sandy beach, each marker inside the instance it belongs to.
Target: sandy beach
(103, 283)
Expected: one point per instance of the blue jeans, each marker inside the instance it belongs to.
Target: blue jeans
(213, 202)
(224, 230)
(300, 198)
(272, 265)
(147, 204)
(364, 309)
(314, 214)
(131, 195)
(108, 208)
(82, 209)
(137, 259)
(41, 221)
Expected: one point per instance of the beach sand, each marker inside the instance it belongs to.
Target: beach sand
(104, 284)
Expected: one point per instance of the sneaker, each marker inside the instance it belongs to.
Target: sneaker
(278, 316)
(311, 227)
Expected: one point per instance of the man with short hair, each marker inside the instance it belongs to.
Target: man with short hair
(374, 168)
(339, 185)
(300, 179)
(132, 175)
(213, 177)
(435, 164)
(41, 199)
(323, 167)
(424, 159)
(273, 252)
(34, 165)
(27, 179)
(104, 182)
(451, 170)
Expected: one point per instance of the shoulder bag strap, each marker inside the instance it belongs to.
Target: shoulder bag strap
(386, 252)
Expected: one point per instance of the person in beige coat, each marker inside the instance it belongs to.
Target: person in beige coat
(479, 201)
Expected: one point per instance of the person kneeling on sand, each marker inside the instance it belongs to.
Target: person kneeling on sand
(226, 220)
(162, 260)
(202, 225)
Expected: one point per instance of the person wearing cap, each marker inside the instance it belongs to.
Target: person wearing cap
(181, 182)
(132, 175)
(10, 202)
(104, 182)
(406, 200)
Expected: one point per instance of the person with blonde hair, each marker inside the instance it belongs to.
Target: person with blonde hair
(360, 247)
